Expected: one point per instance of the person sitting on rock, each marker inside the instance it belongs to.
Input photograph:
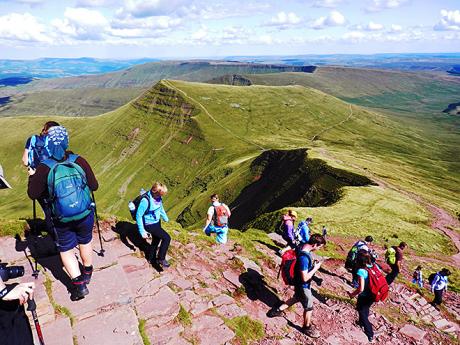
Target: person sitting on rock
(306, 268)
(365, 297)
(439, 286)
(217, 220)
(288, 221)
(148, 219)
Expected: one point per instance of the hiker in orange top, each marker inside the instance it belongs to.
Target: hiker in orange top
(217, 220)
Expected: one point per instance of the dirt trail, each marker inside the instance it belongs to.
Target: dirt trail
(333, 126)
(442, 220)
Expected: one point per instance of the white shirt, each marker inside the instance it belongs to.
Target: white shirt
(215, 204)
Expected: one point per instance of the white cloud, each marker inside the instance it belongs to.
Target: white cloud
(327, 3)
(395, 28)
(97, 3)
(150, 8)
(371, 26)
(82, 24)
(200, 34)
(380, 5)
(335, 18)
(450, 21)
(22, 27)
(29, 2)
(284, 20)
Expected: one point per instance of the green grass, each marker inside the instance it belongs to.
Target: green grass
(246, 329)
(59, 309)
(184, 317)
(144, 336)
(192, 137)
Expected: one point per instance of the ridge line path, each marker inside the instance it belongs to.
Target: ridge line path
(168, 83)
(441, 218)
(334, 125)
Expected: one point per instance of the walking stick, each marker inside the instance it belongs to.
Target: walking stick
(34, 210)
(101, 252)
(32, 307)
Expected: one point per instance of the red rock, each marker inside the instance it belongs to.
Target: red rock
(222, 299)
(167, 334)
(163, 307)
(232, 277)
(412, 332)
(231, 311)
(118, 326)
(182, 283)
(210, 330)
(199, 308)
(443, 323)
(58, 332)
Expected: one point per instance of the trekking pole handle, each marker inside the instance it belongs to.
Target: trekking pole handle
(31, 305)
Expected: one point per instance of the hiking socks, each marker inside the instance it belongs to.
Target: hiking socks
(79, 288)
(87, 273)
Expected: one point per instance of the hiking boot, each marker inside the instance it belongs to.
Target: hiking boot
(274, 312)
(207, 231)
(87, 273)
(311, 332)
(370, 339)
(164, 263)
(79, 289)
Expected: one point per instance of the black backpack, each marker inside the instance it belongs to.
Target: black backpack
(431, 278)
(134, 205)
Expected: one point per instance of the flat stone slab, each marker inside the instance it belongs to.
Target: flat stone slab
(277, 238)
(231, 311)
(108, 288)
(413, 332)
(232, 277)
(58, 332)
(249, 264)
(9, 252)
(210, 330)
(167, 334)
(162, 307)
(118, 326)
(443, 323)
(222, 299)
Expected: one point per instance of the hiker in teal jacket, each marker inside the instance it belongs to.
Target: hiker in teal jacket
(148, 219)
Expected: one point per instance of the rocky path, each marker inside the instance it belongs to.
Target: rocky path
(210, 295)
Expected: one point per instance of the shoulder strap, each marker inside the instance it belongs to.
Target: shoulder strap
(72, 157)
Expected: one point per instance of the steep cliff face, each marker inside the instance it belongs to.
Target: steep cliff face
(289, 178)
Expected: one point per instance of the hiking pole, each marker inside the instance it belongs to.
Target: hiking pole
(101, 252)
(32, 307)
(34, 211)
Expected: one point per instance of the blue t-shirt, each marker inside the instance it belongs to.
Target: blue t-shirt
(304, 263)
(363, 273)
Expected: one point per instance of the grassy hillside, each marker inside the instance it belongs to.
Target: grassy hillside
(202, 138)
(396, 91)
(79, 102)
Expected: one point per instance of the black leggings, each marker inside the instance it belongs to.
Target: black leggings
(438, 296)
(158, 234)
(363, 306)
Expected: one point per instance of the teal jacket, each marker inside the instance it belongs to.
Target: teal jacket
(152, 215)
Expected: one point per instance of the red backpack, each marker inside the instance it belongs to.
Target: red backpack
(377, 284)
(220, 216)
(288, 266)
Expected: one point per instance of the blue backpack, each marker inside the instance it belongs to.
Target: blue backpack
(37, 152)
(69, 194)
(303, 232)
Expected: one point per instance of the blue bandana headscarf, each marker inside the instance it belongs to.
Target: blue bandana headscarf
(57, 142)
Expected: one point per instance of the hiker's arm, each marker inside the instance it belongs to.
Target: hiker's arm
(90, 178)
(208, 220)
(20, 292)
(306, 276)
(25, 157)
(228, 210)
(163, 214)
(359, 289)
(37, 182)
(140, 217)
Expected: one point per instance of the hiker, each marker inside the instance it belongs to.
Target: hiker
(3, 182)
(324, 231)
(364, 291)
(14, 324)
(73, 182)
(35, 152)
(439, 286)
(288, 220)
(303, 230)
(417, 277)
(305, 270)
(217, 220)
(394, 258)
(148, 218)
(352, 256)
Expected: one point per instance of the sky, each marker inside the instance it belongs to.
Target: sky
(125, 29)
